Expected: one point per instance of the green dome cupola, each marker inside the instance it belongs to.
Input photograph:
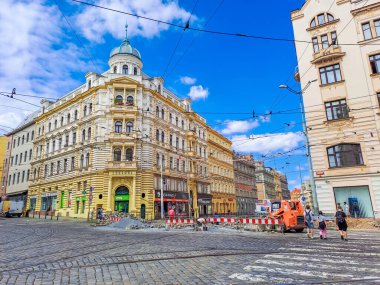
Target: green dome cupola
(125, 47)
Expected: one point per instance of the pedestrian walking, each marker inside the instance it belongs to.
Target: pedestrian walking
(346, 209)
(340, 219)
(100, 214)
(171, 216)
(309, 221)
(322, 225)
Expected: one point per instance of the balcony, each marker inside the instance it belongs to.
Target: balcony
(122, 108)
(122, 164)
(191, 135)
(326, 55)
(115, 136)
(191, 153)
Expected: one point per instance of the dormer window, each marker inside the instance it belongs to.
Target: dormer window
(321, 19)
(89, 84)
(125, 69)
(135, 70)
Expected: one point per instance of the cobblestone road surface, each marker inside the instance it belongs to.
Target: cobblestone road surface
(72, 252)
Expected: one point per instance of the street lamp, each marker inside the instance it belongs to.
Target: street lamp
(310, 164)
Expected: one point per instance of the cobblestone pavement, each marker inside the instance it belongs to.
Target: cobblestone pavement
(72, 252)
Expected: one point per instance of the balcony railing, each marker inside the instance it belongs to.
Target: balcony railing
(122, 164)
(330, 53)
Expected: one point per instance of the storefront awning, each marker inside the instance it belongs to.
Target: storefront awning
(12, 194)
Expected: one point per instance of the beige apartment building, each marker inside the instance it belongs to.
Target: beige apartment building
(338, 44)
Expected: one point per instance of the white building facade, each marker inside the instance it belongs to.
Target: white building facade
(338, 44)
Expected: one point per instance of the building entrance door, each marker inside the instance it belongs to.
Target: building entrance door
(122, 199)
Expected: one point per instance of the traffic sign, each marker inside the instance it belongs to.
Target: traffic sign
(91, 189)
(84, 192)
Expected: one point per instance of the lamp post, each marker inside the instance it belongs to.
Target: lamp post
(310, 163)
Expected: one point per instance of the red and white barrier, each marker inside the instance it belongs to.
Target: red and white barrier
(180, 221)
(246, 221)
(114, 219)
(261, 221)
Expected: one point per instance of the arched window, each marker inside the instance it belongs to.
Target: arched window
(90, 108)
(158, 159)
(176, 121)
(81, 161)
(85, 111)
(119, 100)
(55, 124)
(61, 121)
(23, 139)
(76, 115)
(135, 70)
(330, 17)
(129, 127)
(68, 118)
(117, 154)
(83, 135)
(49, 126)
(125, 69)
(88, 159)
(312, 23)
(115, 69)
(157, 135)
(162, 136)
(157, 111)
(27, 137)
(130, 101)
(129, 154)
(118, 126)
(162, 113)
(183, 124)
(170, 117)
(89, 133)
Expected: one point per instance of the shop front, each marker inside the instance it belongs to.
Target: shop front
(17, 196)
(48, 202)
(204, 204)
(178, 200)
(122, 199)
(223, 203)
(357, 198)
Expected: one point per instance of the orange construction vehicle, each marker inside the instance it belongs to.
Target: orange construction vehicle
(291, 213)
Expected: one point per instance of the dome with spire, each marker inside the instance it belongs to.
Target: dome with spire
(125, 47)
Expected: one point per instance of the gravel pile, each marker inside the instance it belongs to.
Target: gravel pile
(131, 224)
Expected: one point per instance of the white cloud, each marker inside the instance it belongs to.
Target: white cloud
(265, 119)
(198, 92)
(95, 23)
(264, 143)
(35, 56)
(188, 80)
(233, 127)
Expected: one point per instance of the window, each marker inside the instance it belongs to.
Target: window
(30, 154)
(85, 111)
(76, 114)
(118, 126)
(58, 166)
(60, 143)
(125, 69)
(72, 163)
(321, 19)
(117, 154)
(65, 165)
(345, 155)
(18, 178)
(159, 88)
(135, 70)
(66, 140)
(158, 134)
(83, 135)
(23, 176)
(376, 23)
(55, 124)
(27, 137)
(34, 173)
(51, 169)
(87, 159)
(171, 163)
(163, 161)
(324, 41)
(170, 118)
(176, 142)
(375, 63)
(336, 110)
(330, 17)
(47, 147)
(61, 121)
(119, 100)
(162, 136)
(129, 154)
(45, 170)
(330, 74)
(18, 141)
(115, 69)
(89, 84)
(157, 111)
(312, 23)
(366, 27)
(81, 161)
(158, 159)
(334, 39)
(378, 98)
(183, 166)
(130, 101)
(16, 159)
(176, 121)
(90, 108)
(162, 114)
(183, 144)
(315, 45)
(23, 139)
(68, 118)
(14, 178)
(89, 133)
(129, 127)
(74, 137)
(171, 140)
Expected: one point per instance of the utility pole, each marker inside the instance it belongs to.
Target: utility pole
(162, 191)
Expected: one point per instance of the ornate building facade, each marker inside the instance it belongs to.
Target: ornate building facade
(112, 142)
(342, 107)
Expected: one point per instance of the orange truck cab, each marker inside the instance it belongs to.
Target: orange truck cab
(290, 212)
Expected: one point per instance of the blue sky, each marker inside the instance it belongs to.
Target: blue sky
(238, 75)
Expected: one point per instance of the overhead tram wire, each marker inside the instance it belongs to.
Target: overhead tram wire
(20, 100)
(180, 38)
(24, 95)
(195, 37)
(77, 37)
(222, 33)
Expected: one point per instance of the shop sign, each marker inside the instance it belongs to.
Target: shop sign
(122, 197)
(48, 194)
(172, 195)
(204, 201)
